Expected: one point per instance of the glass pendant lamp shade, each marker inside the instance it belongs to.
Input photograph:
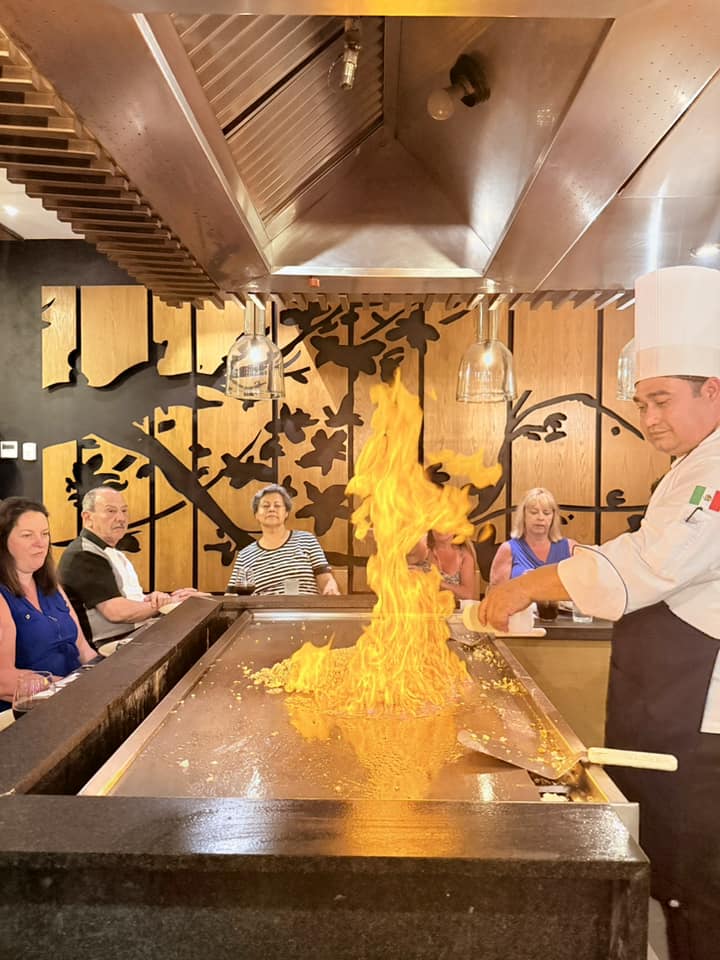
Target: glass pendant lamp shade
(254, 364)
(626, 372)
(486, 372)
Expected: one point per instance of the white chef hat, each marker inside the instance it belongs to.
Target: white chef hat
(677, 323)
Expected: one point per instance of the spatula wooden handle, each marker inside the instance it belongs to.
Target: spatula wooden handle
(632, 758)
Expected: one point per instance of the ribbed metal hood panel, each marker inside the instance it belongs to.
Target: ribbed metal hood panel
(274, 85)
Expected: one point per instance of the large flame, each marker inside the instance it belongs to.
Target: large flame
(401, 663)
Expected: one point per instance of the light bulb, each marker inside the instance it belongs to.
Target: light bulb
(441, 103)
(705, 250)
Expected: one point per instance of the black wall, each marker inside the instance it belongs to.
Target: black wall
(26, 411)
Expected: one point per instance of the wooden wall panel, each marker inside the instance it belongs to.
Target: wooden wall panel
(137, 495)
(555, 355)
(217, 329)
(57, 467)
(227, 434)
(173, 533)
(337, 355)
(172, 326)
(59, 339)
(630, 465)
(462, 427)
(308, 461)
(613, 524)
(114, 332)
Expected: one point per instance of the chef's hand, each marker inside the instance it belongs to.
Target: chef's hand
(502, 601)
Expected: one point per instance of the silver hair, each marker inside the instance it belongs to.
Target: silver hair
(90, 498)
(272, 488)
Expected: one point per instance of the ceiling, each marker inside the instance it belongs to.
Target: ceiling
(217, 153)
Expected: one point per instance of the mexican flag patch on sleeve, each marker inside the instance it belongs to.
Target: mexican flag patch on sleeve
(704, 497)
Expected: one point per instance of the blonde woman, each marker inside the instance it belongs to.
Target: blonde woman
(535, 538)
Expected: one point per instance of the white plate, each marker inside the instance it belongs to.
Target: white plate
(111, 646)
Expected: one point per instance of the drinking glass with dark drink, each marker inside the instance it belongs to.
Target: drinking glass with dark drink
(243, 584)
(547, 610)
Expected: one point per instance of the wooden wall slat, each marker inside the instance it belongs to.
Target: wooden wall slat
(59, 339)
(462, 427)
(137, 495)
(555, 355)
(217, 329)
(629, 464)
(174, 533)
(113, 323)
(172, 324)
(57, 464)
(613, 524)
(320, 398)
(228, 428)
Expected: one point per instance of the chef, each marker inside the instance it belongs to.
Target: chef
(662, 585)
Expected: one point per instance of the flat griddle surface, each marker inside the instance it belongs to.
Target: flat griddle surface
(227, 737)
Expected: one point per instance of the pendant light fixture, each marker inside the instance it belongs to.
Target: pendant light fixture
(626, 372)
(486, 372)
(254, 364)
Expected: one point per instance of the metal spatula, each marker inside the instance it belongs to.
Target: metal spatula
(555, 763)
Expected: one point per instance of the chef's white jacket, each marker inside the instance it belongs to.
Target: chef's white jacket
(674, 556)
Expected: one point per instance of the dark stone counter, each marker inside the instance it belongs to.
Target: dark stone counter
(118, 878)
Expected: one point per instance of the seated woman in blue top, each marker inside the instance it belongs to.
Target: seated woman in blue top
(38, 627)
(534, 538)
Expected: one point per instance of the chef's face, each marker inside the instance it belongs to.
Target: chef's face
(676, 415)
(538, 518)
(29, 541)
(271, 511)
(109, 517)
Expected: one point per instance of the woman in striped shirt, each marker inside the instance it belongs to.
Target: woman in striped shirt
(282, 560)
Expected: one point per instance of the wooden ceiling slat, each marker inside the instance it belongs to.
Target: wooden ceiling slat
(45, 148)
(96, 209)
(56, 128)
(59, 192)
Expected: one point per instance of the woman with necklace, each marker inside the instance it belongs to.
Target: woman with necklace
(455, 561)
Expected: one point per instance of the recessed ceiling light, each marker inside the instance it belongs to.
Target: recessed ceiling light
(706, 250)
(10, 211)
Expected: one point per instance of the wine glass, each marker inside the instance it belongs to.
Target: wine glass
(243, 583)
(31, 689)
